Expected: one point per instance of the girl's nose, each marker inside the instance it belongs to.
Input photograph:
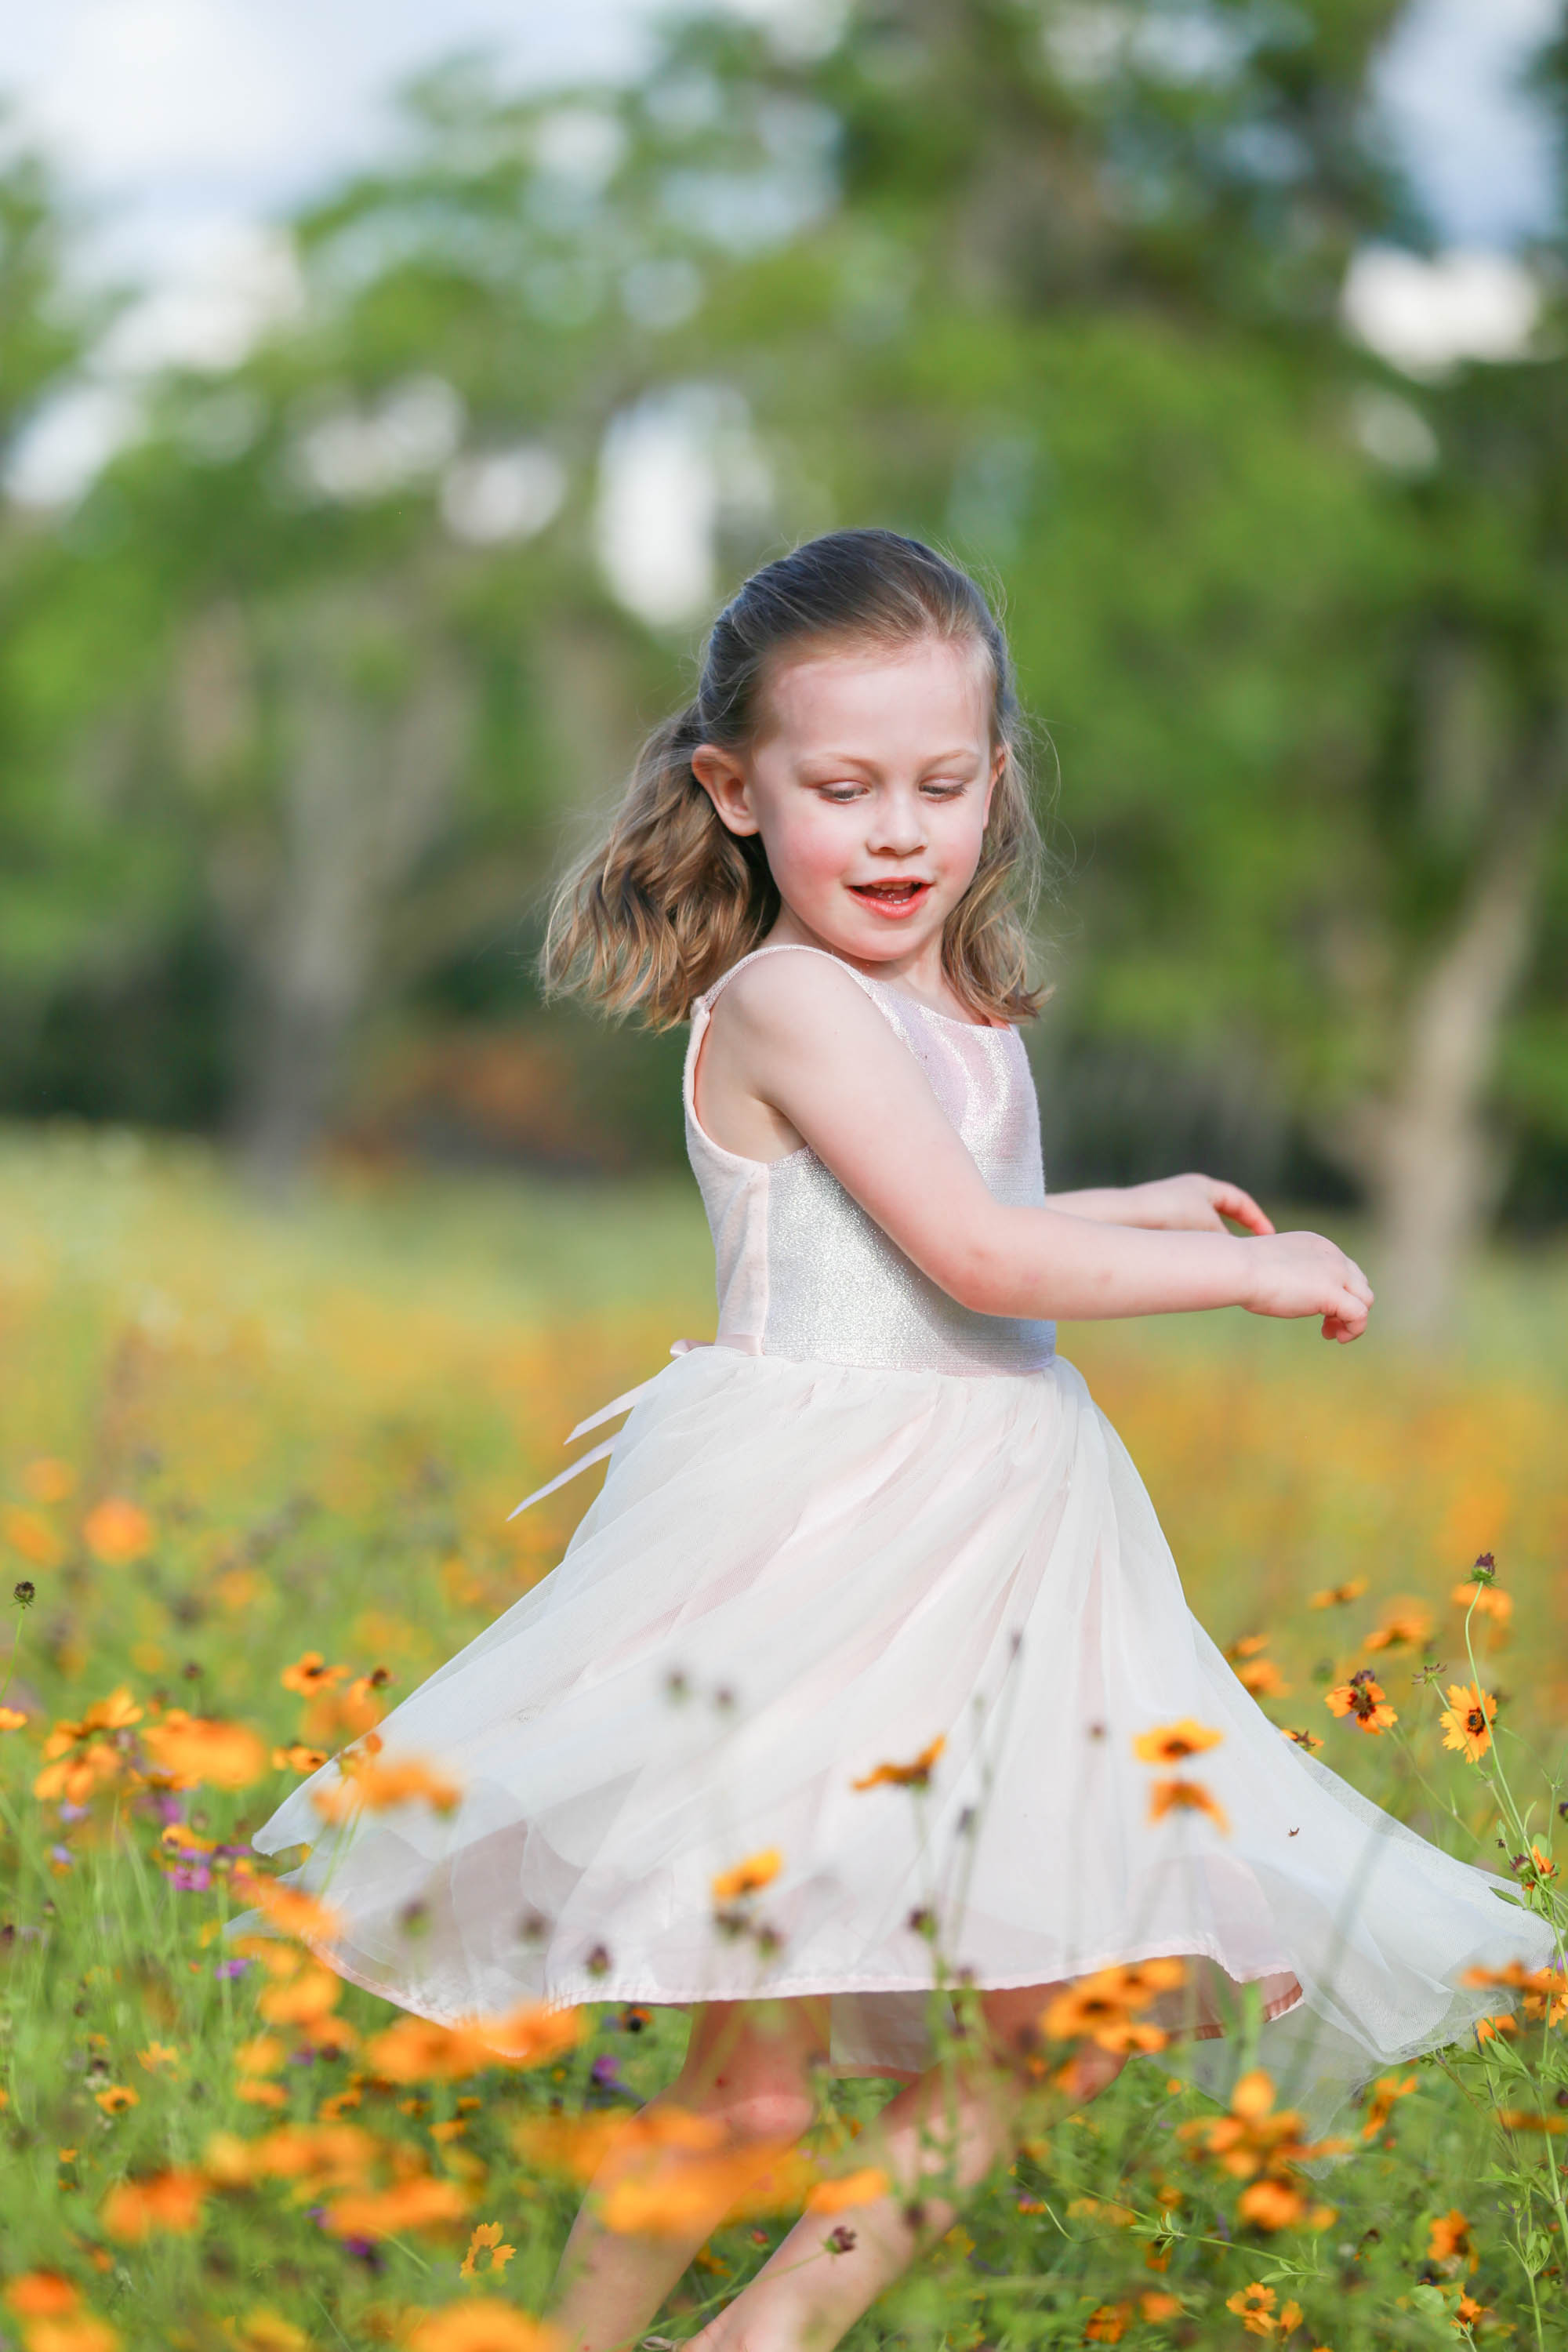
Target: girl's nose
(898, 825)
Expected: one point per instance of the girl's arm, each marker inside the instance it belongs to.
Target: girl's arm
(804, 1047)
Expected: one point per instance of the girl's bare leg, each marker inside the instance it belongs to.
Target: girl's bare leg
(950, 2124)
(749, 2066)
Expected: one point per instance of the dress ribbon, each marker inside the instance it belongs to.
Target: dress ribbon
(742, 1341)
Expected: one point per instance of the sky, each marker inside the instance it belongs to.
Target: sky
(179, 118)
(183, 126)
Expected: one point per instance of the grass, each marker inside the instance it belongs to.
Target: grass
(228, 1437)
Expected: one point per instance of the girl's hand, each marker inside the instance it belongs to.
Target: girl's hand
(1303, 1274)
(1194, 1205)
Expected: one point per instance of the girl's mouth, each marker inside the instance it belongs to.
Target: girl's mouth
(894, 898)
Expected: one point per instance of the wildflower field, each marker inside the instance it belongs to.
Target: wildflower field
(254, 1479)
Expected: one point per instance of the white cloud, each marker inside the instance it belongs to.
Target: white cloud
(1425, 316)
(158, 88)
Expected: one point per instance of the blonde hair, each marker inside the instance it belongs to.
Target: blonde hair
(649, 918)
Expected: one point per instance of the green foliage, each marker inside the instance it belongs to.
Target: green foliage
(1056, 288)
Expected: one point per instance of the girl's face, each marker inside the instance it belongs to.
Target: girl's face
(870, 786)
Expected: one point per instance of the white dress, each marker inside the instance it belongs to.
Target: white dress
(863, 1519)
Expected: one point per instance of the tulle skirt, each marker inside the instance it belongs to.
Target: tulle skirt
(839, 1678)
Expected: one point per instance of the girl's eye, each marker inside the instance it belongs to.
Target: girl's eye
(942, 792)
(839, 793)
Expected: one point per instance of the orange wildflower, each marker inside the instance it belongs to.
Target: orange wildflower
(290, 1909)
(1155, 2304)
(1545, 1990)
(1406, 1627)
(668, 2197)
(1102, 2007)
(1338, 1596)
(268, 2331)
(311, 1674)
(1172, 1743)
(1271, 2204)
(262, 2055)
(487, 2239)
(418, 2204)
(1307, 1739)
(1254, 2305)
(80, 1758)
(78, 2332)
(1262, 1678)
(913, 1775)
(1254, 2138)
(133, 2209)
(116, 1532)
(33, 1537)
(416, 2050)
(1488, 2028)
(115, 2097)
(1528, 2120)
(580, 2145)
(1108, 2322)
(1466, 1720)
(1385, 2092)
(860, 2188)
(371, 1784)
(758, 1870)
(1451, 2241)
(298, 1759)
(191, 1751)
(41, 2295)
(483, 2324)
(1362, 1696)
(352, 1713)
(11, 1718)
(328, 2153)
(1177, 1795)
(157, 2055)
(305, 1999)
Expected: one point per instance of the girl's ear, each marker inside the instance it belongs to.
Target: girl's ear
(723, 779)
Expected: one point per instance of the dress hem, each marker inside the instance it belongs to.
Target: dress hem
(606, 1989)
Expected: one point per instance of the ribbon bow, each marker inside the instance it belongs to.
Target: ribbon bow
(744, 1343)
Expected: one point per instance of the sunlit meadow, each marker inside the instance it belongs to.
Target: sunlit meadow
(255, 1474)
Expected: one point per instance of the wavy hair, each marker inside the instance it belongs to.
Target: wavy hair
(670, 899)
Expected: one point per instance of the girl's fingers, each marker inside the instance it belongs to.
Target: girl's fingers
(1232, 1202)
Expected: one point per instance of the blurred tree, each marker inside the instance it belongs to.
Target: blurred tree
(1056, 283)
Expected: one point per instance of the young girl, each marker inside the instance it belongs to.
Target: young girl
(871, 1640)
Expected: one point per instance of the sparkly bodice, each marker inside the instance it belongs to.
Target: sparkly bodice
(803, 1272)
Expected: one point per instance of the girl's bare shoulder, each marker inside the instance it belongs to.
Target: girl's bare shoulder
(793, 992)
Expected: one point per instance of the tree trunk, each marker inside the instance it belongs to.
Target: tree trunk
(375, 719)
(1432, 1167)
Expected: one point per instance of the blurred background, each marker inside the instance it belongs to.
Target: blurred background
(389, 394)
